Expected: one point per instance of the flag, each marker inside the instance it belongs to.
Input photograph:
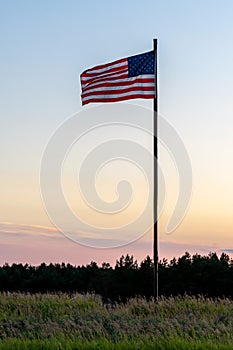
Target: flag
(124, 79)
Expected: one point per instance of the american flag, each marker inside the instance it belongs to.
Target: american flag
(124, 79)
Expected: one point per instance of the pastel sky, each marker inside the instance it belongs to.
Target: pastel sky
(46, 45)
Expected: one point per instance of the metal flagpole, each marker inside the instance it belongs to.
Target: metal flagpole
(155, 114)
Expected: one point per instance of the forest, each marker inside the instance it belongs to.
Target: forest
(208, 275)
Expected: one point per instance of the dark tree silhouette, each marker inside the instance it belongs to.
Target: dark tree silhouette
(208, 275)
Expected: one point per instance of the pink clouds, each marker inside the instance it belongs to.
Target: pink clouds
(34, 244)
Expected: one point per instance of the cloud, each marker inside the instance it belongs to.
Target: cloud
(10, 229)
(229, 251)
(36, 243)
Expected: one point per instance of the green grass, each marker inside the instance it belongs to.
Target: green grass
(60, 321)
(103, 344)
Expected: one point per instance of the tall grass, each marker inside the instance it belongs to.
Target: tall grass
(61, 321)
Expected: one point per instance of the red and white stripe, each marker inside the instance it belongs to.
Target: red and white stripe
(110, 83)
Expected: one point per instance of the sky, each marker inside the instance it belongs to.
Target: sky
(44, 48)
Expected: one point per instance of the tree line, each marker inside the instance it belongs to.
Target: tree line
(208, 275)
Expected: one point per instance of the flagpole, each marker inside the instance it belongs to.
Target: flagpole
(155, 121)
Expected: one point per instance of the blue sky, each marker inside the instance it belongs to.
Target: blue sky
(46, 45)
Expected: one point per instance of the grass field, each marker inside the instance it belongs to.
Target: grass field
(61, 321)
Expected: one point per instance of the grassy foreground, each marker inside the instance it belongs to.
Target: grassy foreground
(82, 322)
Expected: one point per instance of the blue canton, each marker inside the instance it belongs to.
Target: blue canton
(141, 64)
